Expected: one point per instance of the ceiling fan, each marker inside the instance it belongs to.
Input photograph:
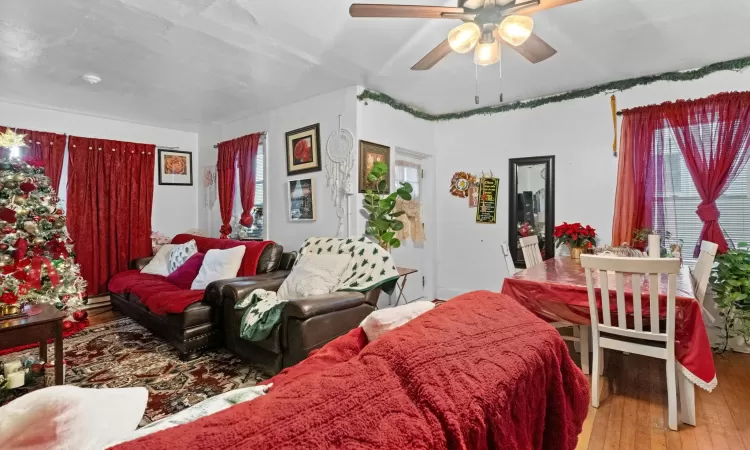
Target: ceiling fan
(487, 23)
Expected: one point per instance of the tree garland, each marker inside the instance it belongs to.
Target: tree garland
(689, 75)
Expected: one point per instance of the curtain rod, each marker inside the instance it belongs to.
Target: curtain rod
(262, 133)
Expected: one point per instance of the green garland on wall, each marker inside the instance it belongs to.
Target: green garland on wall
(615, 86)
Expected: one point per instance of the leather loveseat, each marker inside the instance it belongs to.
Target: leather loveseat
(199, 325)
(306, 323)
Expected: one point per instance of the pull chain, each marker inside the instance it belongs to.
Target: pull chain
(476, 83)
(500, 78)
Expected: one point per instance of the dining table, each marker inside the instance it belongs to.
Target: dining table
(556, 292)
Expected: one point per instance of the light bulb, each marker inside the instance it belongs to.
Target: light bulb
(464, 37)
(15, 152)
(487, 53)
(515, 29)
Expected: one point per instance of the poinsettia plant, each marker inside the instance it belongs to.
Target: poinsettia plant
(575, 235)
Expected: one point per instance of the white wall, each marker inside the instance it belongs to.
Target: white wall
(323, 109)
(579, 133)
(175, 207)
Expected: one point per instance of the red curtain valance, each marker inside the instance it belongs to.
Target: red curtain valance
(110, 195)
(721, 100)
(48, 148)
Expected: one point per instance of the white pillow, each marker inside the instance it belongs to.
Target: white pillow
(159, 264)
(69, 417)
(314, 275)
(219, 265)
(180, 254)
(384, 320)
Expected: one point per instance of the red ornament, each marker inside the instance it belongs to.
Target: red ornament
(67, 325)
(9, 298)
(8, 215)
(80, 316)
(36, 218)
(8, 230)
(59, 212)
(27, 187)
(50, 219)
(23, 289)
(4, 247)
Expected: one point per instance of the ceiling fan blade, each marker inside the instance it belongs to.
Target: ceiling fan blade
(401, 11)
(535, 49)
(543, 4)
(462, 16)
(434, 57)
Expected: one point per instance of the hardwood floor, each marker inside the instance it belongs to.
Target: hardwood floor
(633, 410)
(102, 315)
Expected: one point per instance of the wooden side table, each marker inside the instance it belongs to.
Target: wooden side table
(37, 328)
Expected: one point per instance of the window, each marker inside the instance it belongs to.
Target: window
(679, 199)
(256, 230)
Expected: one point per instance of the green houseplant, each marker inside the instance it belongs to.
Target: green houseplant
(382, 223)
(730, 279)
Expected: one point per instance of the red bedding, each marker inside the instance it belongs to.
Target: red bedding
(479, 371)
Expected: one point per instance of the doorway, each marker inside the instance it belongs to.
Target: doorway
(417, 239)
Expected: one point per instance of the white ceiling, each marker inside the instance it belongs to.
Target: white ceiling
(182, 63)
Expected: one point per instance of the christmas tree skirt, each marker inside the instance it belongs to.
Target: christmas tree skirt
(122, 354)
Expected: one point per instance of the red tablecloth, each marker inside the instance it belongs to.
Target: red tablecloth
(556, 291)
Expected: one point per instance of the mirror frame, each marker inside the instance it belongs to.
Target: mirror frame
(549, 185)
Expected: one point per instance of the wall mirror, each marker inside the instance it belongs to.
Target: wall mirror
(532, 204)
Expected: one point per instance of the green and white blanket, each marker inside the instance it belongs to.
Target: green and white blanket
(370, 267)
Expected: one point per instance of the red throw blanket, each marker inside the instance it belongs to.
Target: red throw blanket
(479, 371)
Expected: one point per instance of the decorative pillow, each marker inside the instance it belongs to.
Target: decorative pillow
(384, 320)
(159, 264)
(314, 275)
(219, 265)
(185, 274)
(69, 417)
(180, 254)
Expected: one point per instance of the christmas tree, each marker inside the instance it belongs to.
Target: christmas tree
(36, 253)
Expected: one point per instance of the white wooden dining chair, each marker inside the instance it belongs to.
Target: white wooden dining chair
(533, 256)
(531, 253)
(649, 342)
(702, 270)
(509, 264)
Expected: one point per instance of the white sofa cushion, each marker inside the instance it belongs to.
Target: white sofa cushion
(219, 265)
(159, 264)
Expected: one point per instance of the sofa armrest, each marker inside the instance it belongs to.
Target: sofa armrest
(234, 289)
(140, 263)
(304, 308)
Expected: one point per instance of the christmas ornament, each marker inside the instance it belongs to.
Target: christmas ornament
(30, 227)
(19, 200)
(10, 139)
(8, 215)
(60, 222)
(18, 178)
(80, 316)
(36, 218)
(22, 211)
(8, 230)
(67, 325)
(38, 241)
(27, 187)
(4, 247)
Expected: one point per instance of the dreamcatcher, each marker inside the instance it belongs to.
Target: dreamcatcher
(340, 150)
(210, 193)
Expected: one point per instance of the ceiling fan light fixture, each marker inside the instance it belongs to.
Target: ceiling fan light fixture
(487, 53)
(515, 30)
(464, 37)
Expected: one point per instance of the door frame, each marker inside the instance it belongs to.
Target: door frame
(429, 217)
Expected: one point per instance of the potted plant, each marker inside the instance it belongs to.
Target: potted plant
(730, 280)
(575, 236)
(382, 223)
(640, 238)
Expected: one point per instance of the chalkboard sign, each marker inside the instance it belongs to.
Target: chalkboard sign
(487, 206)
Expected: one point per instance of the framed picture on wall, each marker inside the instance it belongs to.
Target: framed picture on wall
(303, 150)
(175, 167)
(301, 200)
(369, 154)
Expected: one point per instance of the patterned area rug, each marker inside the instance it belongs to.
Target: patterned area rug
(124, 354)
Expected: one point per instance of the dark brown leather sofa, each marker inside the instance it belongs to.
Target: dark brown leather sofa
(306, 323)
(200, 325)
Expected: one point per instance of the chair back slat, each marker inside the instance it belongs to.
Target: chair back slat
(653, 289)
(509, 264)
(702, 269)
(531, 253)
(621, 311)
(634, 268)
(604, 283)
(637, 302)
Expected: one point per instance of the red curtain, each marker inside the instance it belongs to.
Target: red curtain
(46, 148)
(110, 194)
(225, 174)
(639, 172)
(713, 135)
(247, 158)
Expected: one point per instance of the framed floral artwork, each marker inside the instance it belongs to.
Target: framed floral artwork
(303, 150)
(175, 167)
(369, 154)
(301, 200)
